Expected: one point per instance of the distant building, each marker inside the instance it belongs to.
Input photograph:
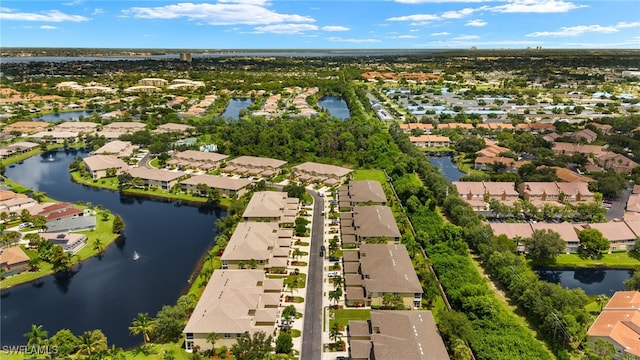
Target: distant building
(187, 57)
(27, 127)
(228, 186)
(254, 166)
(430, 141)
(316, 172)
(197, 160)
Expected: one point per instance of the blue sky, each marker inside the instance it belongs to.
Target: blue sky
(286, 24)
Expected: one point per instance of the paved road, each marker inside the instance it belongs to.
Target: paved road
(312, 332)
(617, 208)
(144, 162)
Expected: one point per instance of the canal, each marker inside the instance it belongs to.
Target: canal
(233, 108)
(65, 116)
(108, 292)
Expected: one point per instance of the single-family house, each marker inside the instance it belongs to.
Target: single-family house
(585, 135)
(13, 260)
(71, 243)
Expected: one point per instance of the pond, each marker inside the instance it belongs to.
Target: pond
(447, 167)
(64, 116)
(593, 281)
(108, 292)
(336, 106)
(235, 105)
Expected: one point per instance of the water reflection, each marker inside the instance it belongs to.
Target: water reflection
(594, 281)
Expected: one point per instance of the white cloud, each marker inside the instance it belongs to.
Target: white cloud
(623, 25)
(476, 22)
(48, 16)
(444, 33)
(227, 12)
(466, 37)
(286, 28)
(402, 37)
(459, 14)
(97, 11)
(73, 2)
(355, 41)
(576, 31)
(537, 6)
(488, 44)
(48, 27)
(335, 28)
(416, 17)
(440, 1)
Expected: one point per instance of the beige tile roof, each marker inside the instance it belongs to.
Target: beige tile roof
(406, 335)
(566, 230)
(266, 204)
(511, 230)
(619, 326)
(103, 162)
(124, 126)
(251, 240)
(627, 300)
(10, 256)
(226, 302)
(388, 268)
(193, 155)
(362, 191)
(374, 221)
(116, 147)
(613, 230)
(359, 328)
(155, 174)
(321, 169)
(218, 182)
(259, 162)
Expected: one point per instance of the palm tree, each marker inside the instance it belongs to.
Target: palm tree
(98, 245)
(297, 253)
(601, 300)
(337, 281)
(92, 342)
(144, 325)
(212, 338)
(36, 336)
(33, 263)
(334, 333)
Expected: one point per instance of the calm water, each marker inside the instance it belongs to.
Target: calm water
(65, 116)
(447, 167)
(592, 281)
(336, 106)
(108, 293)
(235, 105)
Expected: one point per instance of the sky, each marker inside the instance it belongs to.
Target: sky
(301, 24)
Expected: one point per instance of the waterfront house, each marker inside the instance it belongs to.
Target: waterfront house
(228, 187)
(396, 334)
(79, 223)
(234, 302)
(55, 137)
(100, 165)
(81, 127)
(71, 243)
(13, 260)
(154, 178)
(26, 127)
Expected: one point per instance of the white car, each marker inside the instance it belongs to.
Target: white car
(333, 274)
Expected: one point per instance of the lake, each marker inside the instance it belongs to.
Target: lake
(336, 106)
(235, 105)
(108, 292)
(447, 167)
(64, 116)
(593, 281)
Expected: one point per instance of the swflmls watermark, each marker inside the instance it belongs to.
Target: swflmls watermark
(29, 350)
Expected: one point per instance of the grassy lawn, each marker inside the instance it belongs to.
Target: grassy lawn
(102, 232)
(620, 260)
(370, 174)
(343, 316)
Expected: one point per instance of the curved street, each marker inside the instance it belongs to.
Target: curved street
(312, 333)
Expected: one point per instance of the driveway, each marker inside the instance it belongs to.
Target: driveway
(312, 333)
(617, 207)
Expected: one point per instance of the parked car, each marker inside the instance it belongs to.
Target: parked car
(333, 274)
(25, 225)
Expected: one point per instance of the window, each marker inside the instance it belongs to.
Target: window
(227, 336)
